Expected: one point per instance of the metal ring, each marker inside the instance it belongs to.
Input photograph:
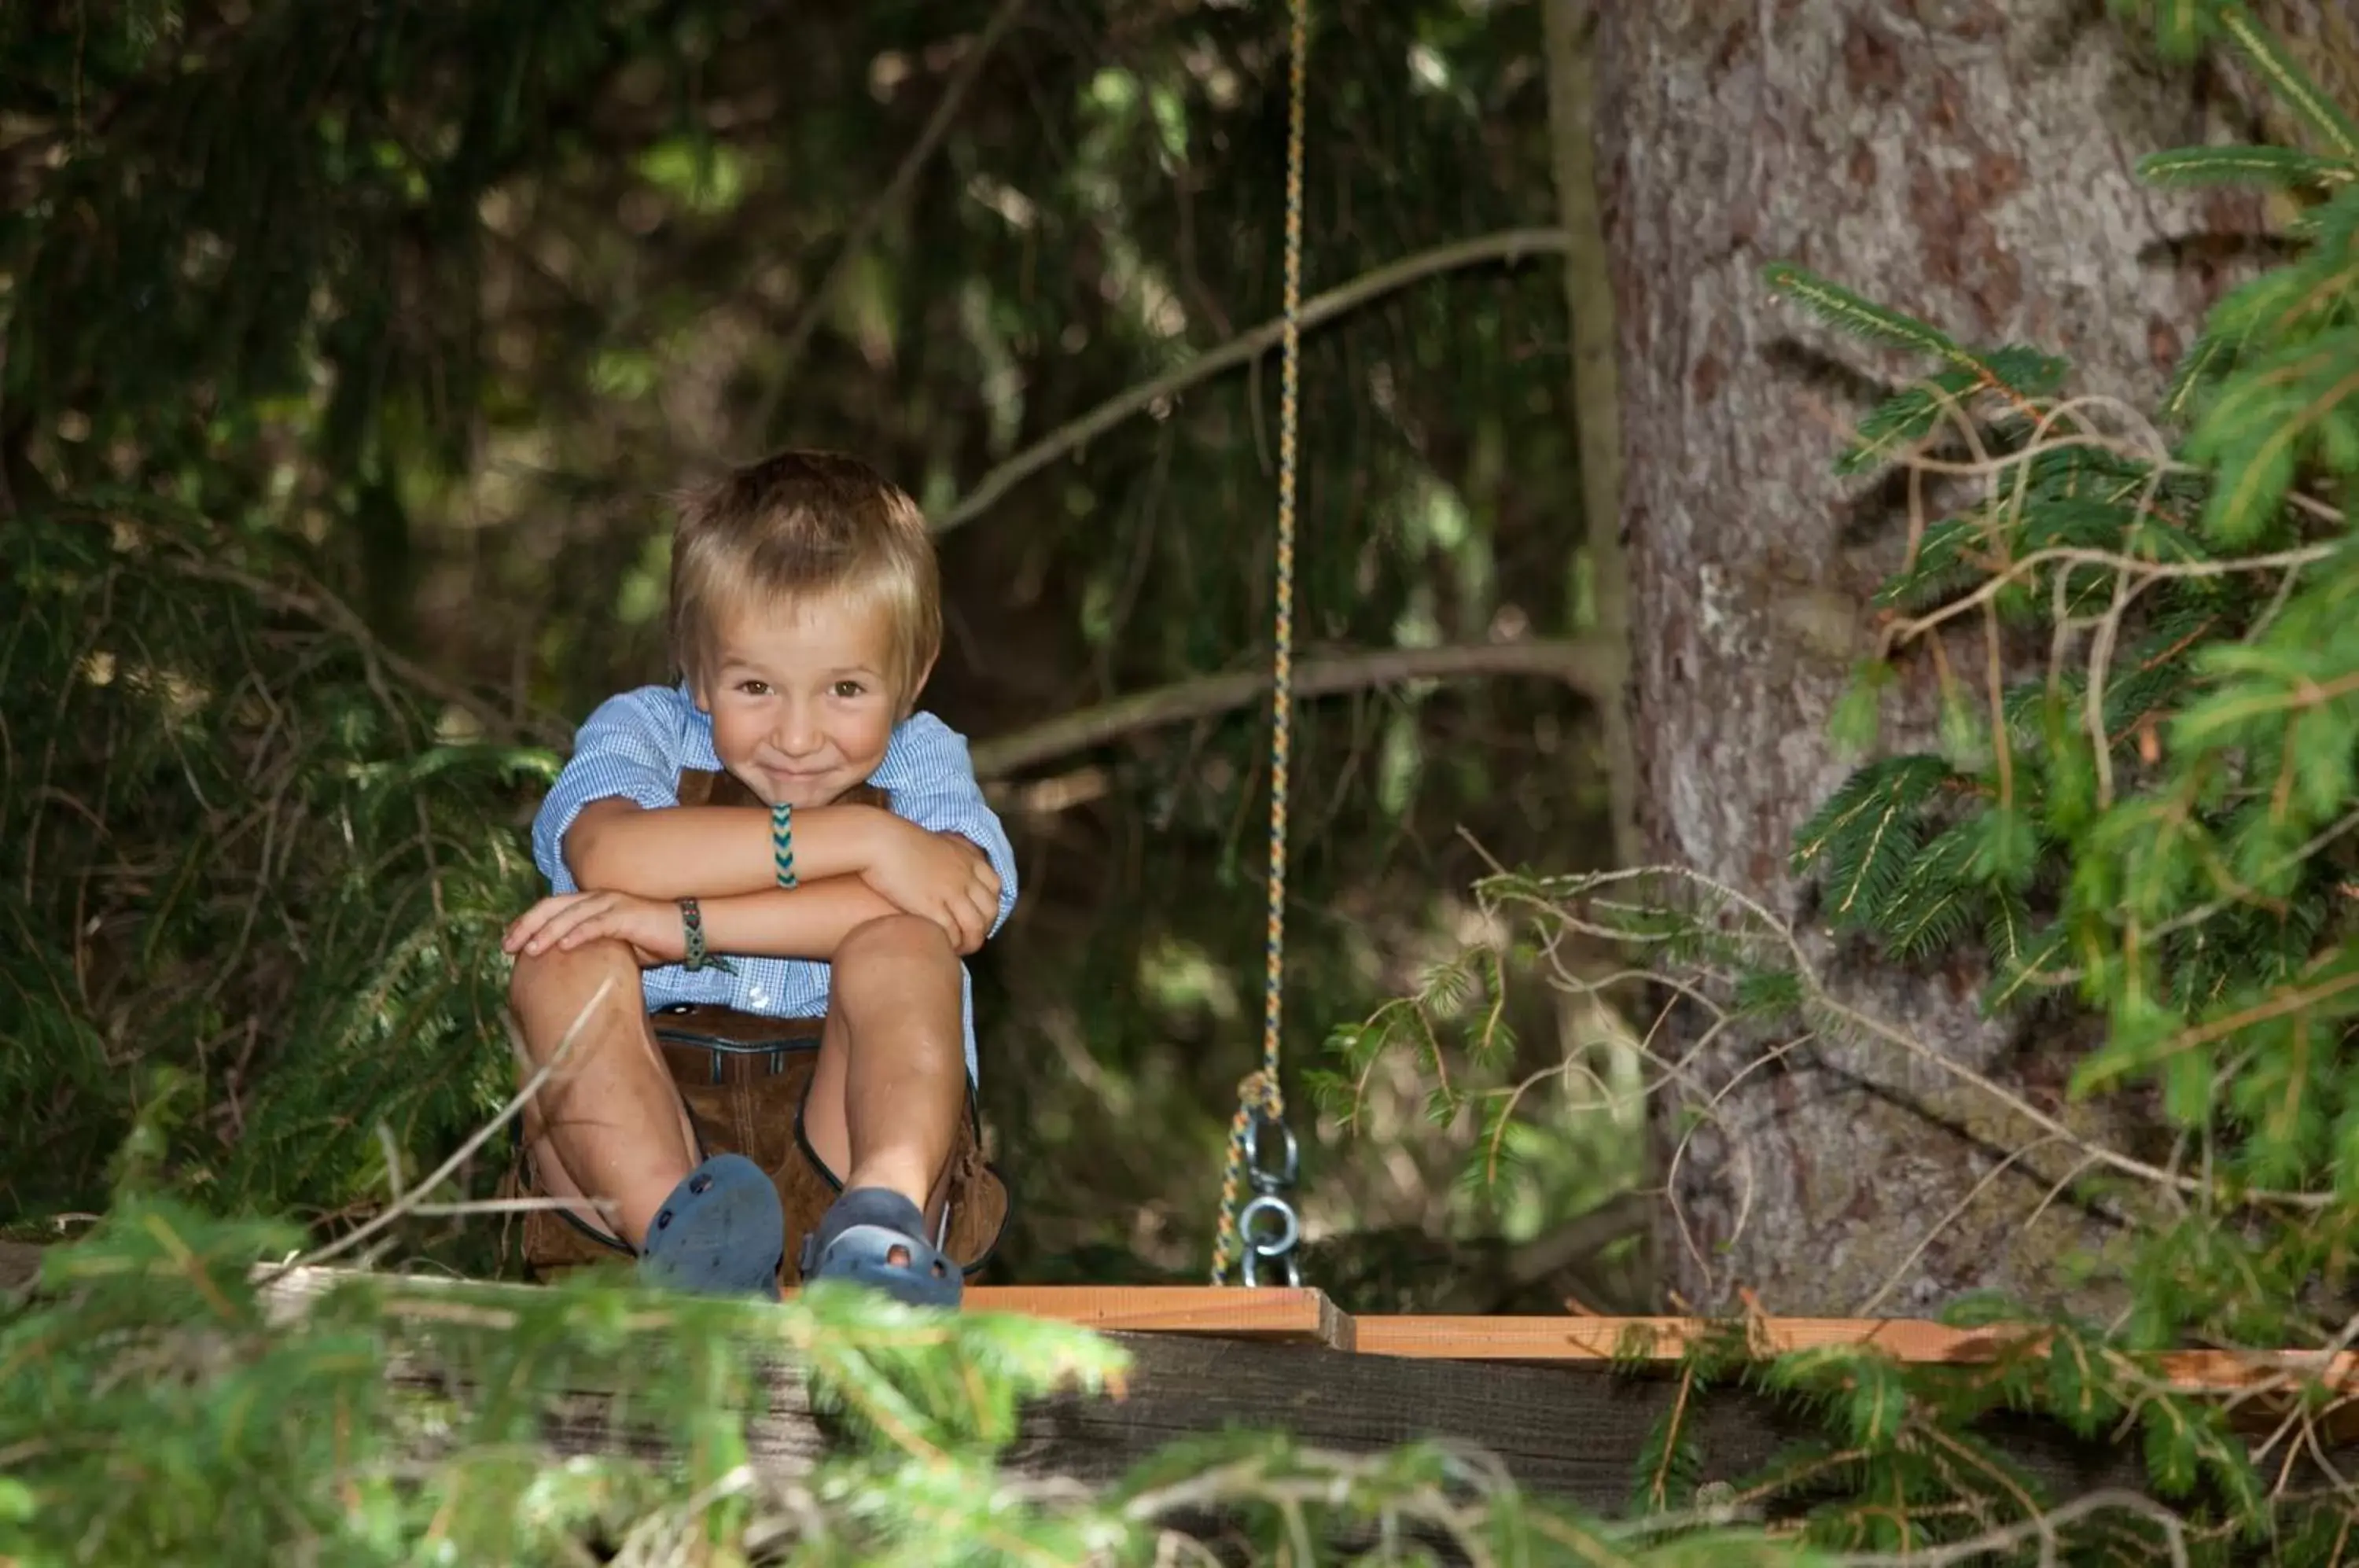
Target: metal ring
(1278, 1249)
(1267, 1181)
(1290, 1226)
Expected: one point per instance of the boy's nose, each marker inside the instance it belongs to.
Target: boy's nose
(798, 734)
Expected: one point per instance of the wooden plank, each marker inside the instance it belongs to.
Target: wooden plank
(1595, 1340)
(1268, 1312)
(1277, 1314)
(1563, 1431)
(1571, 1431)
(2228, 1371)
(1264, 1312)
(1599, 1339)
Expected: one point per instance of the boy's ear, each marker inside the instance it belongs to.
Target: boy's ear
(918, 686)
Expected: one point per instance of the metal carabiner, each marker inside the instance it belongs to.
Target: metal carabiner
(1280, 1179)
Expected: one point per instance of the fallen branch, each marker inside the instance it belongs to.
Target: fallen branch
(1507, 245)
(1585, 666)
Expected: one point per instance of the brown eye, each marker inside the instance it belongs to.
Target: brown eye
(849, 689)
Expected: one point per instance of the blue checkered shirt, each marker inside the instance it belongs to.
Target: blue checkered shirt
(635, 746)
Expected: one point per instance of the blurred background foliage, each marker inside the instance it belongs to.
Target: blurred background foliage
(351, 352)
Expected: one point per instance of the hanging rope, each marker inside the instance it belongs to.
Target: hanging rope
(1261, 1103)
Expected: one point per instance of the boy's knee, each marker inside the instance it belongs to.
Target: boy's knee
(540, 980)
(898, 939)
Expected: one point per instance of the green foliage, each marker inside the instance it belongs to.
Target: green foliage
(2135, 819)
(2203, 783)
(2157, 817)
(237, 832)
(401, 1420)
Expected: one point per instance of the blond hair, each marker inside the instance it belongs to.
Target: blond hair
(799, 526)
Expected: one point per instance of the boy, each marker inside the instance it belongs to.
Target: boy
(806, 617)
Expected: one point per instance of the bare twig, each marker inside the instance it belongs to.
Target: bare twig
(1818, 996)
(2040, 1527)
(1509, 246)
(459, 1157)
(1582, 665)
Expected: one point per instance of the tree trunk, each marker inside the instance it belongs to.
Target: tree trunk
(1972, 164)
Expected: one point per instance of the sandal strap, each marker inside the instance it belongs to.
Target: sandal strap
(884, 1212)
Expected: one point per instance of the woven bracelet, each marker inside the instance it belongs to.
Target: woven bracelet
(692, 919)
(782, 843)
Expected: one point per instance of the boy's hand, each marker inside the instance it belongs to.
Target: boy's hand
(652, 928)
(940, 876)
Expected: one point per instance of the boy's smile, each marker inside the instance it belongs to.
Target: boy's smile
(801, 706)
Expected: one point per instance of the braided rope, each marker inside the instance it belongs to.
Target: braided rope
(1259, 1090)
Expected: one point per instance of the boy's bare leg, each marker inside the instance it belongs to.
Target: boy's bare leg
(890, 1085)
(608, 1123)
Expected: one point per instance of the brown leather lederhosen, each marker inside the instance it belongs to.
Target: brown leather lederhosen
(744, 1078)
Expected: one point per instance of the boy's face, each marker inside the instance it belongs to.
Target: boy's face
(801, 709)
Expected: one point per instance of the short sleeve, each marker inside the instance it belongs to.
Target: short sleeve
(930, 775)
(629, 748)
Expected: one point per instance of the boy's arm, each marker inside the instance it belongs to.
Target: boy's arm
(810, 921)
(932, 784)
(616, 846)
(613, 821)
(625, 751)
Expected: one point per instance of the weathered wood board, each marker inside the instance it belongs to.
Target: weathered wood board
(1538, 1395)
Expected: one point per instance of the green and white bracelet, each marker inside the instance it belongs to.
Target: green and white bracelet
(782, 843)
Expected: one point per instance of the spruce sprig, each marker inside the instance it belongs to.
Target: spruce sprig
(2291, 84)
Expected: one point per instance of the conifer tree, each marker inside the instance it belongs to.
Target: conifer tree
(2147, 832)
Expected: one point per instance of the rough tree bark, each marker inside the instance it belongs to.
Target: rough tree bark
(1970, 162)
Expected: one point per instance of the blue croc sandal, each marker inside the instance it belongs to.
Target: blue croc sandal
(720, 1233)
(856, 1239)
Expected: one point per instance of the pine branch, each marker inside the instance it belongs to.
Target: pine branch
(2255, 435)
(1866, 834)
(1905, 418)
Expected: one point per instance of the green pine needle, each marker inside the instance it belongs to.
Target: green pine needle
(2291, 84)
(2281, 168)
(1853, 313)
